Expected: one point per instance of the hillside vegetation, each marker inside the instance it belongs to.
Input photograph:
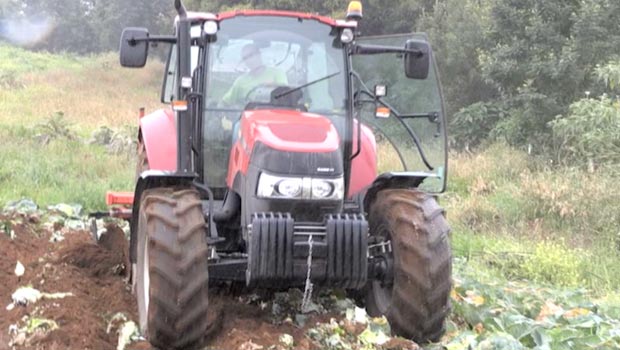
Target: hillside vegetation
(51, 106)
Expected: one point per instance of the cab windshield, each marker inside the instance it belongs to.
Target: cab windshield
(254, 59)
(262, 53)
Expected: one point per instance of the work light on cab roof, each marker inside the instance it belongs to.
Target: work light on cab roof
(263, 170)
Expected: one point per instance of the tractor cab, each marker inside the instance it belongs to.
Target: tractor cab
(294, 152)
(302, 65)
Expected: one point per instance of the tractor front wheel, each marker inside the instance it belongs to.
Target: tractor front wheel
(415, 300)
(172, 271)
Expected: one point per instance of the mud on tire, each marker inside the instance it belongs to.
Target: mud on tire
(172, 271)
(417, 302)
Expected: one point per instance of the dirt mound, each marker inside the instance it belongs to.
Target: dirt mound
(62, 260)
(74, 265)
(107, 258)
(234, 323)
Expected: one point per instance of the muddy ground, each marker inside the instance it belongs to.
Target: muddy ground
(95, 276)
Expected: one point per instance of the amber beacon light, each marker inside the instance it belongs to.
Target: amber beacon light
(354, 11)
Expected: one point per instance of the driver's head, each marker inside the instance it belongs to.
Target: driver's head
(250, 56)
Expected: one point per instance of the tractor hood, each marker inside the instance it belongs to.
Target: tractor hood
(289, 131)
(285, 142)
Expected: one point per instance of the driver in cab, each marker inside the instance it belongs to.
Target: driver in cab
(258, 74)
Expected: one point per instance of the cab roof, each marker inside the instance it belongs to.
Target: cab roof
(205, 16)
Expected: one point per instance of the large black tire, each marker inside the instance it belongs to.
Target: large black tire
(417, 302)
(172, 269)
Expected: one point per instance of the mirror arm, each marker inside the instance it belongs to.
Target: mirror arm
(358, 49)
(153, 38)
(433, 117)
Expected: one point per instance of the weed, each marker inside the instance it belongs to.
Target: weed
(553, 263)
(117, 142)
(55, 127)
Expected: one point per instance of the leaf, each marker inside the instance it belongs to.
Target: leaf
(576, 312)
(35, 323)
(548, 310)
(464, 341)
(541, 338)
(500, 341)
(473, 299)
(126, 333)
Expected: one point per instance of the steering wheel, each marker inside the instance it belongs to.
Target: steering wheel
(265, 86)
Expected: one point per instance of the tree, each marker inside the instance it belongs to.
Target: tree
(542, 58)
(70, 27)
(111, 16)
(458, 31)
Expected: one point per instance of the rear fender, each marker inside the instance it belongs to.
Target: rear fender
(159, 134)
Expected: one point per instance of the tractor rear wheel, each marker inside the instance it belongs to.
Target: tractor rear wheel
(416, 300)
(172, 269)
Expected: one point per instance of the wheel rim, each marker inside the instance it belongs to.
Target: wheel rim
(382, 290)
(146, 278)
(382, 295)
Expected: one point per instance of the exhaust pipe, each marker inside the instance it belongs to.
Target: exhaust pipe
(231, 207)
(178, 4)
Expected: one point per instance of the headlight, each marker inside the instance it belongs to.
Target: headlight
(322, 188)
(328, 188)
(290, 188)
(271, 186)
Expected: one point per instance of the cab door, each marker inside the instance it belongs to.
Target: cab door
(412, 137)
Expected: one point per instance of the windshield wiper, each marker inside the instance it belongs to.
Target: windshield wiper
(291, 90)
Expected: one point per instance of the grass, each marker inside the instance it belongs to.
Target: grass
(15, 62)
(37, 159)
(516, 216)
(62, 170)
(89, 91)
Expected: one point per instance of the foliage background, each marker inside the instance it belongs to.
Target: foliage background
(511, 69)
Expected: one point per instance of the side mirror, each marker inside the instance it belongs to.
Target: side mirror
(134, 47)
(417, 64)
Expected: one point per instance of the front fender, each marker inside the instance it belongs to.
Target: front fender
(406, 179)
(159, 134)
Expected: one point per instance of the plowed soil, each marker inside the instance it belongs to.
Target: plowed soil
(95, 275)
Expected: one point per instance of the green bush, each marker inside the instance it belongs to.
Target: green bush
(590, 133)
(473, 124)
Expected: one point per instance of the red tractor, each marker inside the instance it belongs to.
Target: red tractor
(295, 152)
